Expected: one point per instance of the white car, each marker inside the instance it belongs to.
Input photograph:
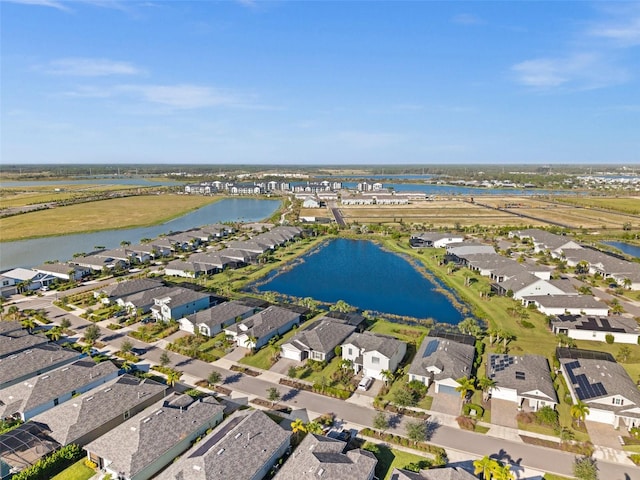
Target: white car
(365, 383)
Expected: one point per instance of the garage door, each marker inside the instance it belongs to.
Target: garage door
(291, 353)
(447, 389)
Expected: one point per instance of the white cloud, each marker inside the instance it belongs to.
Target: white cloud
(89, 67)
(43, 3)
(582, 71)
(624, 32)
(467, 19)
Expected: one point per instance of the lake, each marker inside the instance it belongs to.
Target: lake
(632, 250)
(30, 253)
(364, 275)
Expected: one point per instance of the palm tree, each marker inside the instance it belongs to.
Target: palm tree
(627, 283)
(465, 386)
(251, 341)
(172, 377)
(28, 324)
(127, 366)
(346, 364)
(314, 427)
(485, 466)
(486, 384)
(579, 411)
(298, 427)
(54, 334)
(503, 472)
(387, 376)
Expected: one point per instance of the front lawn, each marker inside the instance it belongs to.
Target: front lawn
(390, 458)
(201, 347)
(406, 333)
(77, 471)
(154, 331)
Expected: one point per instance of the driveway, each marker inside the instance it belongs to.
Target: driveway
(282, 366)
(504, 413)
(236, 355)
(605, 435)
(448, 404)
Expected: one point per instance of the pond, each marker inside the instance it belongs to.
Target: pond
(30, 253)
(366, 276)
(627, 248)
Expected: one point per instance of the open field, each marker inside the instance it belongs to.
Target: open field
(494, 211)
(111, 214)
(23, 196)
(630, 205)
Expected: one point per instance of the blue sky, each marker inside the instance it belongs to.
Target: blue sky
(97, 81)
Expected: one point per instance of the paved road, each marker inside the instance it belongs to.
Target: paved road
(448, 437)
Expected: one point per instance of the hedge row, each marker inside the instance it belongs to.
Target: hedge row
(332, 392)
(49, 466)
(438, 452)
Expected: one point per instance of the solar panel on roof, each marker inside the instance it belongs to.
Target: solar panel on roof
(432, 346)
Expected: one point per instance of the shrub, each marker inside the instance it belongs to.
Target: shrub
(51, 465)
(466, 423)
(635, 458)
(609, 338)
(90, 464)
(547, 416)
(466, 409)
(527, 324)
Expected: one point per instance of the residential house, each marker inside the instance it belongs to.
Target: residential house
(352, 318)
(349, 199)
(255, 331)
(142, 302)
(22, 446)
(178, 303)
(434, 239)
(456, 252)
(15, 339)
(64, 271)
(149, 441)
(117, 290)
(604, 385)
(596, 328)
(99, 263)
(20, 366)
(524, 380)
(311, 202)
(372, 353)
(212, 321)
(544, 241)
(320, 457)
(189, 269)
(22, 279)
(443, 360)
(37, 394)
(318, 341)
(94, 413)
(446, 473)
(526, 284)
(245, 446)
(568, 304)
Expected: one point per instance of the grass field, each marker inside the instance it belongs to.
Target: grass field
(390, 458)
(21, 196)
(111, 214)
(77, 471)
(629, 205)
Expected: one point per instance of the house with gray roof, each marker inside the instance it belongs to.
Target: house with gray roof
(112, 292)
(320, 457)
(178, 303)
(446, 473)
(94, 413)
(526, 284)
(142, 301)
(15, 339)
(245, 446)
(596, 328)
(37, 394)
(596, 379)
(524, 380)
(372, 353)
(544, 241)
(64, 270)
(434, 239)
(212, 321)
(255, 331)
(318, 341)
(568, 304)
(20, 366)
(456, 252)
(443, 361)
(149, 441)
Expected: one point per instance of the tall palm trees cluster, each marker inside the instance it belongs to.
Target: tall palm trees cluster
(492, 469)
(467, 386)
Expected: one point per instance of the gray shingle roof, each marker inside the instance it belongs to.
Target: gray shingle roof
(144, 438)
(237, 449)
(370, 342)
(600, 324)
(45, 388)
(264, 322)
(17, 340)
(319, 457)
(89, 411)
(219, 314)
(567, 301)
(323, 336)
(447, 473)
(453, 359)
(523, 374)
(129, 287)
(33, 360)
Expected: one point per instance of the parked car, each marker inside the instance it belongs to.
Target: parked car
(365, 383)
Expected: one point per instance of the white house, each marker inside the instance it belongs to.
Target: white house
(597, 380)
(527, 284)
(318, 341)
(178, 303)
(525, 381)
(371, 353)
(595, 328)
(568, 304)
(434, 239)
(255, 331)
(211, 321)
(443, 361)
(311, 202)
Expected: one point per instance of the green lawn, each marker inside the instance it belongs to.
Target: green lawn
(77, 471)
(551, 476)
(390, 458)
(406, 333)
